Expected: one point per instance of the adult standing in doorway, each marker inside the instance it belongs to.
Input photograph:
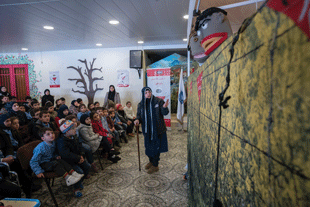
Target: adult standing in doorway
(112, 95)
(150, 113)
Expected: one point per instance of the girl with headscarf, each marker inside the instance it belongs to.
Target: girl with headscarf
(150, 113)
(113, 96)
(63, 111)
(13, 110)
(47, 97)
(74, 107)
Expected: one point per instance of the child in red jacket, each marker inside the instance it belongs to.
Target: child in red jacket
(97, 126)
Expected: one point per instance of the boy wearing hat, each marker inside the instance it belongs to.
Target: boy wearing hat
(70, 150)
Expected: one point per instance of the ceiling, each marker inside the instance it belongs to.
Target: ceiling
(80, 24)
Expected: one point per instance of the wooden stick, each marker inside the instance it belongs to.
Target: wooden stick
(137, 131)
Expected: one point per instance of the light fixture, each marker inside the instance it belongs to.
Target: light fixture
(114, 22)
(140, 42)
(99, 44)
(185, 40)
(185, 16)
(24, 48)
(48, 27)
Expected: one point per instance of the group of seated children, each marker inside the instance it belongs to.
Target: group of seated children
(70, 137)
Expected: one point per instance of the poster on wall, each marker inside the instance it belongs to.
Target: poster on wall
(158, 79)
(54, 79)
(122, 78)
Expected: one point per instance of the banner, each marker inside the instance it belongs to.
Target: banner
(122, 78)
(54, 79)
(159, 81)
(181, 99)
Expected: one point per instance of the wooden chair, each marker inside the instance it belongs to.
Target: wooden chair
(24, 155)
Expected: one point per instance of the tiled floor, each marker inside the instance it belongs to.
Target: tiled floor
(123, 185)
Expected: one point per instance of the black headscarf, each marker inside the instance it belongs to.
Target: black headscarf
(61, 111)
(111, 94)
(83, 118)
(4, 117)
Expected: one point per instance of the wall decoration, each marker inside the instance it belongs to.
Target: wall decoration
(89, 90)
(261, 141)
(54, 79)
(122, 78)
(159, 81)
(33, 76)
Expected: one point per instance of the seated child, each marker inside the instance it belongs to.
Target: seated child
(118, 125)
(121, 113)
(16, 138)
(82, 110)
(28, 103)
(63, 111)
(86, 148)
(97, 126)
(46, 159)
(34, 105)
(44, 121)
(95, 140)
(97, 104)
(13, 109)
(50, 108)
(71, 151)
(22, 108)
(91, 107)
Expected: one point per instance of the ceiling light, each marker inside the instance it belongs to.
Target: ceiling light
(99, 44)
(114, 22)
(48, 27)
(185, 16)
(185, 40)
(24, 48)
(140, 42)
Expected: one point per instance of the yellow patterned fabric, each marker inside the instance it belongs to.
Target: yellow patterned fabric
(264, 148)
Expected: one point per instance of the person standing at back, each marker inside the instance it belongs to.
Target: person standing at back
(150, 113)
(113, 96)
(47, 97)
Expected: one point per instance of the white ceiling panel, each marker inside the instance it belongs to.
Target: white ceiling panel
(80, 24)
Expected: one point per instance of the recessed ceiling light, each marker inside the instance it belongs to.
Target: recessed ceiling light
(98, 44)
(185, 16)
(114, 22)
(185, 40)
(24, 48)
(48, 27)
(140, 42)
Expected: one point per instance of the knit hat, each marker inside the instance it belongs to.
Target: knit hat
(66, 126)
(83, 118)
(117, 106)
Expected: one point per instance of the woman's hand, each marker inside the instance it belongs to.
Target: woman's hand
(166, 104)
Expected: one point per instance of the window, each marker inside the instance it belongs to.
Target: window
(15, 78)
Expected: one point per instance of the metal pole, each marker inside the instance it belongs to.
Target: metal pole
(137, 131)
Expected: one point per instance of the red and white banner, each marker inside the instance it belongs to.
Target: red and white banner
(158, 80)
(122, 78)
(54, 79)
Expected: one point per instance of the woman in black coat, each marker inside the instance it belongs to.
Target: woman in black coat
(47, 97)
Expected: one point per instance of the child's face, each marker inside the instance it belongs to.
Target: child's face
(5, 99)
(3, 89)
(128, 105)
(96, 117)
(112, 114)
(45, 118)
(22, 108)
(14, 99)
(97, 105)
(88, 120)
(15, 107)
(15, 124)
(29, 101)
(63, 101)
(7, 123)
(74, 120)
(105, 113)
(71, 132)
(58, 102)
(36, 106)
(51, 109)
(100, 112)
(37, 115)
(48, 136)
(76, 104)
(66, 112)
(111, 109)
(91, 106)
(83, 109)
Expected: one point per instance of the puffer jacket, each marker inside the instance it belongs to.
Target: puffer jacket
(89, 137)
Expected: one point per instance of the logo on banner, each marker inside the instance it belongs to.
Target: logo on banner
(199, 81)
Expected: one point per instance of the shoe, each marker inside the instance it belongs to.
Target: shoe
(94, 168)
(78, 175)
(113, 152)
(125, 139)
(118, 144)
(140, 132)
(148, 165)
(77, 193)
(131, 134)
(113, 158)
(153, 169)
(117, 157)
(71, 180)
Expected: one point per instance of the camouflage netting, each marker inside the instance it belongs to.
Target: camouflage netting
(264, 145)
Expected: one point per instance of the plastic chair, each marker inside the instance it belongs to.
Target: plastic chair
(24, 154)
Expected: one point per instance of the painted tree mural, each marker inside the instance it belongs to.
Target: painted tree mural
(89, 89)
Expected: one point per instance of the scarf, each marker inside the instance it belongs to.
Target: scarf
(111, 95)
(61, 109)
(83, 118)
